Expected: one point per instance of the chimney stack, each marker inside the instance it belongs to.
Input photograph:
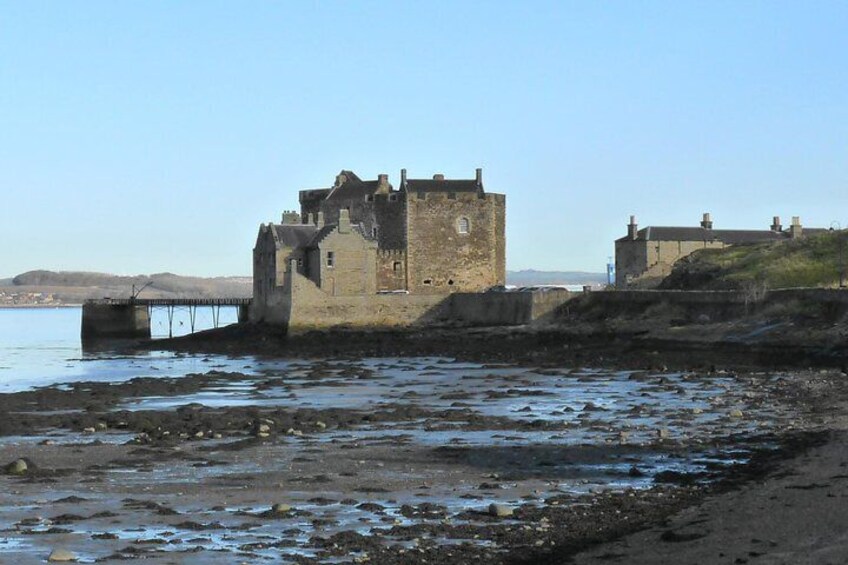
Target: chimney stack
(344, 220)
(795, 230)
(632, 228)
(290, 217)
(479, 178)
(319, 220)
(707, 222)
(383, 186)
(403, 178)
(438, 176)
(775, 224)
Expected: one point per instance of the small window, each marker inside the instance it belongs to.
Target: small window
(450, 282)
(463, 225)
(392, 197)
(369, 198)
(300, 262)
(374, 232)
(331, 259)
(396, 266)
(428, 281)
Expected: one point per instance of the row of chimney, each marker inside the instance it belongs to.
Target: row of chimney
(795, 229)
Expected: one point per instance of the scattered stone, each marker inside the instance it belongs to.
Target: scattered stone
(500, 510)
(101, 426)
(736, 414)
(18, 467)
(697, 411)
(199, 435)
(61, 556)
(320, 425)
(88, 430)
(663, 433)
(281, 508)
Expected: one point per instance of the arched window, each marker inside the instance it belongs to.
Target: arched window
(463, 225)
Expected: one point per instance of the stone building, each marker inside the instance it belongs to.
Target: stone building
(643, 258)
(428, 237)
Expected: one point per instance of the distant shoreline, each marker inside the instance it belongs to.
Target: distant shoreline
(37, 306)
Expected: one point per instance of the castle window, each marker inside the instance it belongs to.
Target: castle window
(396, 266)
(428, 281)
(392, 197)
(369, 198)
(450, 282)
(331, 259)
(374, 232)
(463, 225)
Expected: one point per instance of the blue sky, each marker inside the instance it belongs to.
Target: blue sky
(140, 137)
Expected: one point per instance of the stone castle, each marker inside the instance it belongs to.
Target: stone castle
(364, 253)
(643, 258)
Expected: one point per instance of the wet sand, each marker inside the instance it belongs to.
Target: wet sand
(392, 460)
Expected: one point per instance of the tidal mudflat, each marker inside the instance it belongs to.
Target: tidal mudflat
(394, 460)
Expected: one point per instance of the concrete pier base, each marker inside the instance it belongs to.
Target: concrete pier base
(115, 321)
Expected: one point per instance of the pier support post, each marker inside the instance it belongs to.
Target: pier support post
(115, 321)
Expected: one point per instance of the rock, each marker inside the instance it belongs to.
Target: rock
(199, 435)
(101, 426)
(704, 319)
(663, 433)
(697, 411)
(623, 437)
(736, 414)
(88, 430)
(262, 430)
(320, 425)
(500, 510)
(61, 556)
(18, 467)
(280, 508)
(635, 472)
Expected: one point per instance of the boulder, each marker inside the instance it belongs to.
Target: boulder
(61, 556)
(500, 510)
(18, 467)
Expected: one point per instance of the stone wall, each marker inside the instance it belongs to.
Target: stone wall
(354, 260)
(644, 264)
(706, 305)
(440, 258)
(391, 270)
(114, 321)
(506, 308)
(312, 308)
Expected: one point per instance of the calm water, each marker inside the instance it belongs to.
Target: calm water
(41, 346)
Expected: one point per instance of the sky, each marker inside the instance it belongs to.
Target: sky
(143, 137)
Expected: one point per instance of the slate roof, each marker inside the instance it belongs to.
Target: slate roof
(294, 235)
(732, 237)
(432, 185)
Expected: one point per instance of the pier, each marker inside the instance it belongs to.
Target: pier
(129, 318)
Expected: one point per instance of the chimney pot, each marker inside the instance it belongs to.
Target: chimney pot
(707, 222)
(438, 176)
(775, 224)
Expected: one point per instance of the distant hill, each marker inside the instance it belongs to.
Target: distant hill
(811, 261)
(532, 277)
(67, 287)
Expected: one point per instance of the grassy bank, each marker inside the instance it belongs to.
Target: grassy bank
(811, 261)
